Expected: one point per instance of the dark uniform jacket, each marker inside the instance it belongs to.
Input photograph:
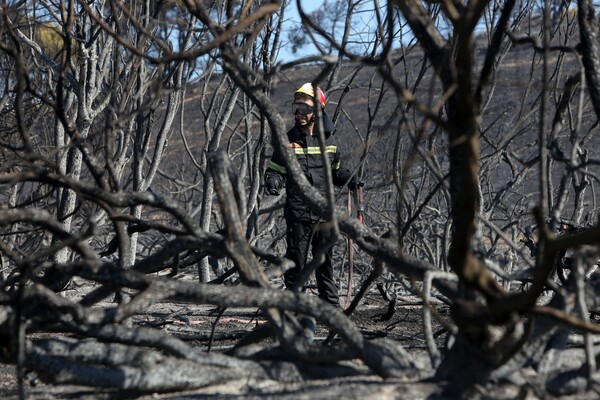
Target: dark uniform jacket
(308, 151)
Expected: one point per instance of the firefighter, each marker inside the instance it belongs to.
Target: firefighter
(304, 224)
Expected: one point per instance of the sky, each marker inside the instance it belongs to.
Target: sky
(293, 18)
(363, 20)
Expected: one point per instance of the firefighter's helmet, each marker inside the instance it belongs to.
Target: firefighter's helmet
(307, 89)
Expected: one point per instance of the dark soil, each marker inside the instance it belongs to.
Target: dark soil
(211, 329)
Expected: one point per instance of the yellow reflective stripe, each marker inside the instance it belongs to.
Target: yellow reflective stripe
(314, 150)
(277, 167)
(336, 165)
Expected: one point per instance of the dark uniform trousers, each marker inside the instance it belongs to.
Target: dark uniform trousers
(301, 235)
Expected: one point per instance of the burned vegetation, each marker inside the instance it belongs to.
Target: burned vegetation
(140, 256)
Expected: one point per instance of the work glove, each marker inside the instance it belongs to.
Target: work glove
(272, 186)
(355, 183)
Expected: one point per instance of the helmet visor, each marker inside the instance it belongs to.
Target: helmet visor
(301, 108)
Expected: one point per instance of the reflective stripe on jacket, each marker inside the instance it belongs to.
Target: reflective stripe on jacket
(308, 152)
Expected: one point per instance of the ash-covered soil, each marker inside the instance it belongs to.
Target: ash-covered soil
(217, 330)
(210, 328)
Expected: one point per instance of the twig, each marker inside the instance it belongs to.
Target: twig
(434, 353)
(214, 327)
(585, 316)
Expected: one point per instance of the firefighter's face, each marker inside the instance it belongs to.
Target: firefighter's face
(303, 109)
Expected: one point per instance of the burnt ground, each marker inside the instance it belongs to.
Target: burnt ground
(210, 329)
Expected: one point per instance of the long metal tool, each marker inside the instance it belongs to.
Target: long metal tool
(359, 213)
